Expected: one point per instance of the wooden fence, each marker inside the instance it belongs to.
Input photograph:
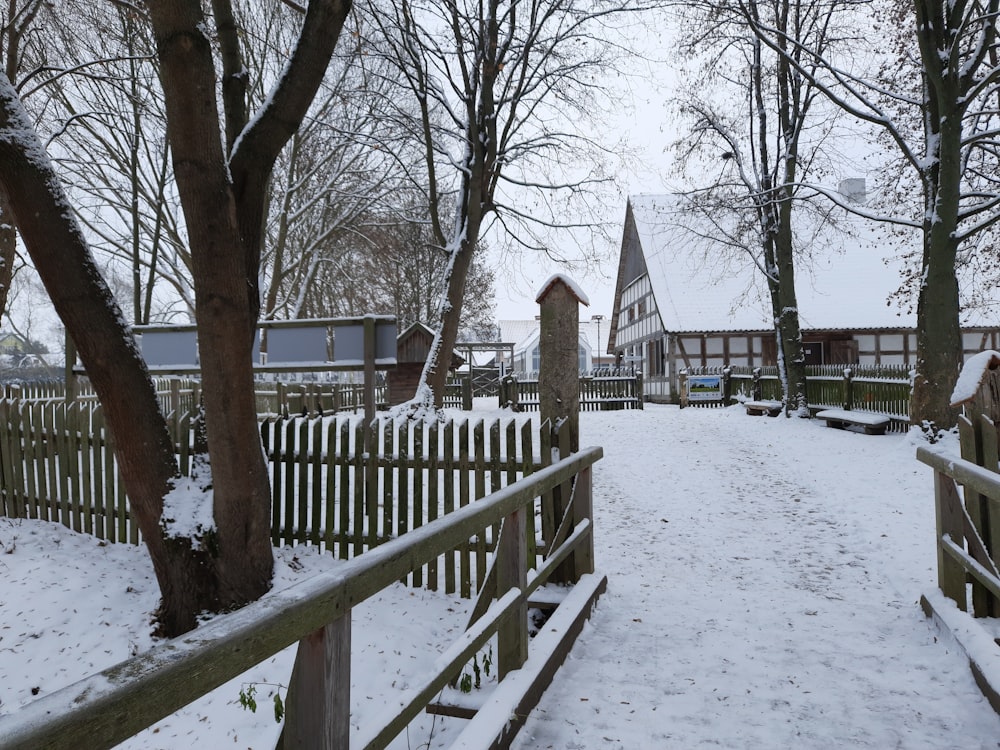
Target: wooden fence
(597, 393)
(274, 397)
(335, 484)
(882, 389)
(105, 709)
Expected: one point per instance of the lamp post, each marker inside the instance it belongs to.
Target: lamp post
(597, 319)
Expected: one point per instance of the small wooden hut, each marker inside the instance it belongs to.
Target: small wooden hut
(413, 346)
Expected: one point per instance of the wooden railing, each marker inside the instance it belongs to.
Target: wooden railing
(965, 530)
(108, 708)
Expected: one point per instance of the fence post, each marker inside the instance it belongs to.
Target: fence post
(848, 388)
(682, 385)
(559, 350)
(511, 567)
(727, 374)
(318, 705)
(467, 393)
(756, 389)
(583, 509)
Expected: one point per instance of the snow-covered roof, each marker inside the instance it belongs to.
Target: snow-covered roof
(525, 333)
(518, 332)
(573, 287)
(701, 285)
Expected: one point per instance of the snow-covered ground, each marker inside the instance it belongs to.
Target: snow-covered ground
(764, 577)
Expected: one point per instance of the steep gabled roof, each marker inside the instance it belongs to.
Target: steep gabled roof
(700, 284)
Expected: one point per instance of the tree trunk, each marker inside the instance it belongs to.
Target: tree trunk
(787, 315)
(939, 335)
(242, 559)
(143, 449)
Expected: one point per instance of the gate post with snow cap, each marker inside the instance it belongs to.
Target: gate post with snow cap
(559, 402)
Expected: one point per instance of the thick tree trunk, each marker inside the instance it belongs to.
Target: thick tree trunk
(939, 335)
(242, 562)
(143, 448)
(438, 364)
(787, 316)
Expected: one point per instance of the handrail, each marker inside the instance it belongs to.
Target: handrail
(107, 708)
(966, 473)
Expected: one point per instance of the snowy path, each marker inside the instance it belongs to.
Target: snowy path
(757, 601)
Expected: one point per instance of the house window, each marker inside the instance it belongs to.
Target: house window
(641, 308)
(582, 364)
(536, 359)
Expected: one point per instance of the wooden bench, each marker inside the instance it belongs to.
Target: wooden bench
(873, 424)
(760, 408)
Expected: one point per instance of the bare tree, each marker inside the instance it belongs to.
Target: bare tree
(946, 132)
(754, 155)
(222, 163)
(505, 91)
(16, 20)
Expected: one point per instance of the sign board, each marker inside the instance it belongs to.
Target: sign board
(169, 348)
(704, 388)
(349, 341)
(288, 345)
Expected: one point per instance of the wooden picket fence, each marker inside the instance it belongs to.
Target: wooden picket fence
(881, 389)
(597, 393)
(336, 484)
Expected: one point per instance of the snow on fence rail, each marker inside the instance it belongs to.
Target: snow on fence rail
(109, 707)
(334, 484)
(881, 389)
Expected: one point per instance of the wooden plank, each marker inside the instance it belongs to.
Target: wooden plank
(433, 494)
(344, 499)
(983, 602)
(105, 527)
(417, 502)
(504, 713)
(330, 490)
(547, 502)
(72, 459)
(582, 562)
(403, 477)
(464, 550)
(512, 635)
(8, 446)
(318, 709)
(975, 641)
(448, 466)
(387, 463)
(273, 446)
(949, 520)
(991, 450)
(371, 433)
(288, 489)
(531, 522)
(479, 488)
(23, 454)
(359, 488)
(317, 495)
(81, 420)
(48, 438)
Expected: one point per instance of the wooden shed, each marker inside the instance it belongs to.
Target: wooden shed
(413, 346)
